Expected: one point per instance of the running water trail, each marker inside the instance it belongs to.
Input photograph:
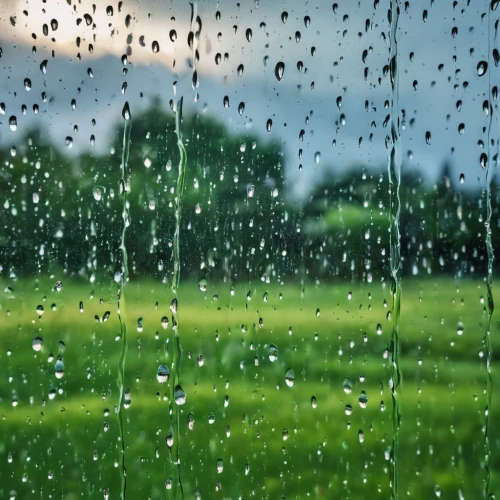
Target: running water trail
(124, 188)
(177, 394)
(394, 172)
(489, 283)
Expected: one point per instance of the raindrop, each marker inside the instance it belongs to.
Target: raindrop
(313, 402)
(127, 399)
(43, 66)
(39, 310)
(279, 70)
(220, 466)
(173, 35)
(273, 353)
(54, 24)
(483, 160)
(307, 21)
(126, 111)
(284, 17)
(347, 386)
(482, 67)
(27, 84)
(249, 34)
(88, 19)
(269, 125)
(97, 194)
(241, 108)
(363, 399)
(109, 10)
(460, 328)
(289, 377)
(13, 123)
(59, 367)
(37, 344)
(163, 374)
(179, 396)
(155, 46)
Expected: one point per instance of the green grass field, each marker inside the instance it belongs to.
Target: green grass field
(54, 445)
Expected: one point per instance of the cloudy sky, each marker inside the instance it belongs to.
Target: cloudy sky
(326, 54)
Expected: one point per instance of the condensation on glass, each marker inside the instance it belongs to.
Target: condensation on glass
(248, 249)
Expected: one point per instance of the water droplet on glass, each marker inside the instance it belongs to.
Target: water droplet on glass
(482, 67)
(163, 374)
(59, 367)
(273, 353)
(307, 21)
(363, 399)
(179, 396)
(241, 108)
(249, 34)
(269, 125)
(54, 25)
(460, 328)
(289, 377)
(37, 344)
(155, 46)
(27, 84)
(313, 402)
(173, 35)
(220, 465)
(127, 399)
(126, 111)
(279, 70)
(13, 123)
(347, 386)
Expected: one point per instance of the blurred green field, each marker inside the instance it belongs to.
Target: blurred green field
(54, 445)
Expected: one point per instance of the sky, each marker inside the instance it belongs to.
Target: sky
(333, 47)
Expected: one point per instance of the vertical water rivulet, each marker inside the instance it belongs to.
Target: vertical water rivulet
(122, 278)
(394, 173)
(489, 279)
(179, 395)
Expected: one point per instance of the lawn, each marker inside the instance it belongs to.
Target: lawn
(60, 436)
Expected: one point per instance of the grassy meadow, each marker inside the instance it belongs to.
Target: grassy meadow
(60, 436)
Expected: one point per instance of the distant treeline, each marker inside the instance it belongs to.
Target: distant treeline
(59, 215)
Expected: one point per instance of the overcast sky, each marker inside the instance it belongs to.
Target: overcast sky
(330, 48)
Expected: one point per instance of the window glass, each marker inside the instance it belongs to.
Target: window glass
(247, 249)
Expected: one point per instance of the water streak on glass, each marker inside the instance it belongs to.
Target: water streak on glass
(124, 187)
(394, 174)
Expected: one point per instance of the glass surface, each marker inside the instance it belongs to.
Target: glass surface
(247, 250)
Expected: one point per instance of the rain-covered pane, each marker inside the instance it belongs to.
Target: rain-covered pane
(248, 250)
